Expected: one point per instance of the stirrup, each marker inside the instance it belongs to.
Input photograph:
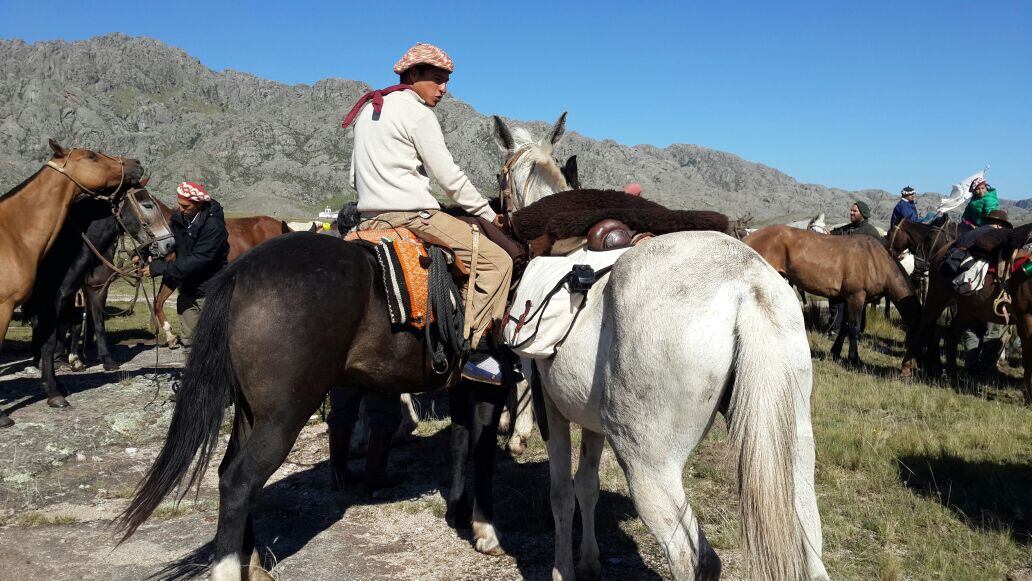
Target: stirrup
(483, 368)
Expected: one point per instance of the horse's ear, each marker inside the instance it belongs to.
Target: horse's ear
(144, 181)
(502, 134)
(558, 129)
(570, 173)
(58, 150)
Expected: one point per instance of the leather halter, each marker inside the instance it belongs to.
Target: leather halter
(61, 169)
(145, 222)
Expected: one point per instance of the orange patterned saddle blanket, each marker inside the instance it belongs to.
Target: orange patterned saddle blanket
(405, 267)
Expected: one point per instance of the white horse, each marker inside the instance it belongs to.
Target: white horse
(731, 340)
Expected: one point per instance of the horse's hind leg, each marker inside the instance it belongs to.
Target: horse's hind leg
(587, 488)
(655, 484)
(239, 484)
(487, 407)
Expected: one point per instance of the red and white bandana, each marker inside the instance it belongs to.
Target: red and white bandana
(427, 54)
(193, 192)
(975, 183)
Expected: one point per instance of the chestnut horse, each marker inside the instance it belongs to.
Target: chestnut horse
(32, 213)
(854, 269)
(979, 306)
(244, 234)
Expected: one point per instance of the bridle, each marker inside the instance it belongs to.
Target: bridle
(62, 169)
(142, 218)
(507, 186)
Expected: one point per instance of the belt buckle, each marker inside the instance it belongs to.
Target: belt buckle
(424, 214)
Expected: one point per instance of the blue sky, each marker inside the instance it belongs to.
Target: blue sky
(846, 94)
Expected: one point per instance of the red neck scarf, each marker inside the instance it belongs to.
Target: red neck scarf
(376, 97)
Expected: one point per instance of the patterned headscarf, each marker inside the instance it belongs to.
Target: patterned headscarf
(424, 54)
(977, 182)
(193, 192)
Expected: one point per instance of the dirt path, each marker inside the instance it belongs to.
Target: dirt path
(64, 474)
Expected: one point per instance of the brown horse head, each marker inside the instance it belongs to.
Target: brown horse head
(97, 174)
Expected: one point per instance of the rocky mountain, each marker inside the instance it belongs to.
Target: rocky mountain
(268, 148)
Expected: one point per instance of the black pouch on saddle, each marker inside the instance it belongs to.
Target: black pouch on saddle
(581, 278)
(955, 261)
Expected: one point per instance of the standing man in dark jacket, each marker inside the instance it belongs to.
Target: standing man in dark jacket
(859, 213)
(202, 248)
(859, 223)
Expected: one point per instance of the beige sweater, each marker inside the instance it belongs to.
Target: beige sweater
(396, 155)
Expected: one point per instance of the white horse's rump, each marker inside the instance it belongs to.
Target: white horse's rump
(681, 323)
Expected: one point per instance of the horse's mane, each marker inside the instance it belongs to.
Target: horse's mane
(522, 137)
(20, 186)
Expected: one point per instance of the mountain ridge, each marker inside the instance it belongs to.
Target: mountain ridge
(267, 147)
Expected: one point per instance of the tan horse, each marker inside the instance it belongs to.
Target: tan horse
(32, 213)
(244, 234)
(854, 269)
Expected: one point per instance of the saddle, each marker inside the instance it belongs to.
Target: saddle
(405, 261)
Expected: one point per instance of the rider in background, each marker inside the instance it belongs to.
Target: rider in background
(983, 201)
(906, 208)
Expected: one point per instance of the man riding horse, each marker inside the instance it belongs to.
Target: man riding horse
(202, 250)
(398, 147)
(906, 208)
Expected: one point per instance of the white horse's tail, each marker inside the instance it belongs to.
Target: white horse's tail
(762, 438)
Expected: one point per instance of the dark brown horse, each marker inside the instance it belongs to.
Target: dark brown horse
(923, 241)
(244, 234)
(981, 305)
(276, 349)
(32, 213)
(89, 235)
(854, 269)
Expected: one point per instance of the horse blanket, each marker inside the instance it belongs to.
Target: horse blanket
(404, 266)
(548, 300)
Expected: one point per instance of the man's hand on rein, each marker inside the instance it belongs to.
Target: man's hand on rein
(502, 221)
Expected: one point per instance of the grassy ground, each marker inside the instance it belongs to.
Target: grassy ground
(914, 481)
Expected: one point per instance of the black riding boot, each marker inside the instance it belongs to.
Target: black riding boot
(340, 441)
(376, 459)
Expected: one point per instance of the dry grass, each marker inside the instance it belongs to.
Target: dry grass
(37, 519)
(914, 481)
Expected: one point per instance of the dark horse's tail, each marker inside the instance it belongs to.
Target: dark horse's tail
(202, 399)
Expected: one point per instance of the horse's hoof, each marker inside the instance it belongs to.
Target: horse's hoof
(518, 448)
(58, 401)
(112, 365)
(78, 365)
(6, 422)
(491, 548)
